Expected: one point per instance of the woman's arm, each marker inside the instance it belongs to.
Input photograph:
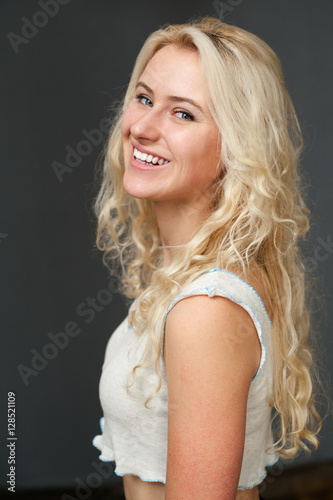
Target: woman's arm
(212, 352)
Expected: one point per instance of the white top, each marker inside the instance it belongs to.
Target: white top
(135, 437)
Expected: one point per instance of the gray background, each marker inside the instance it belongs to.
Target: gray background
(63, 81)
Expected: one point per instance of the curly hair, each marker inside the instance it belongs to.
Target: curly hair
(256, 220)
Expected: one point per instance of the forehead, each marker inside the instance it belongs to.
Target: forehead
(175, 70)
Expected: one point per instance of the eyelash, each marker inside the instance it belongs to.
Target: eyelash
(138, 97)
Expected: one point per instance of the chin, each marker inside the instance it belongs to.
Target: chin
(138, 188)
(134, 190)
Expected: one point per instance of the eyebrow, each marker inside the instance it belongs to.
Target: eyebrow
(172, 98)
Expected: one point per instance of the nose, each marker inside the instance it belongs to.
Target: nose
(147, 128)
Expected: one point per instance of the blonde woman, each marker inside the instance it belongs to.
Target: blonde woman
(200, 204)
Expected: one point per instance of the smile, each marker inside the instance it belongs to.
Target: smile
(146, 159)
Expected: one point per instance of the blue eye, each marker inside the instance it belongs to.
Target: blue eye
(186, 115)
(144, 100)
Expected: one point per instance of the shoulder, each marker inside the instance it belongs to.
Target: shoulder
(216, 327)
(231, 309)
(251, 291)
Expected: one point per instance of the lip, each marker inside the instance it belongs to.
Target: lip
(140, 166)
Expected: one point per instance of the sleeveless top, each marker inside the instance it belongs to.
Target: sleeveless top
(135, 437)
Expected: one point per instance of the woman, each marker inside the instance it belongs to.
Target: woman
(200, 204)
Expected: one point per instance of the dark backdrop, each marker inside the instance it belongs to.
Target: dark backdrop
(64, 65)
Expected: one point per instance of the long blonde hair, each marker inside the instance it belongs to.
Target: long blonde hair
(257, 217)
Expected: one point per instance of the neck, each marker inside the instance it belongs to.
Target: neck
(177, 224)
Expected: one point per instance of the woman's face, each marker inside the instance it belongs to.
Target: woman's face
(170, 140)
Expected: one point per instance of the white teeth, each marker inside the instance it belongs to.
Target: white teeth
(149, 158)
(138, 154)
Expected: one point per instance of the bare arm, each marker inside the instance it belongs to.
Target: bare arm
(212, 352)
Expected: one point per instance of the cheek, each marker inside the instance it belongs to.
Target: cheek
(205, 157)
